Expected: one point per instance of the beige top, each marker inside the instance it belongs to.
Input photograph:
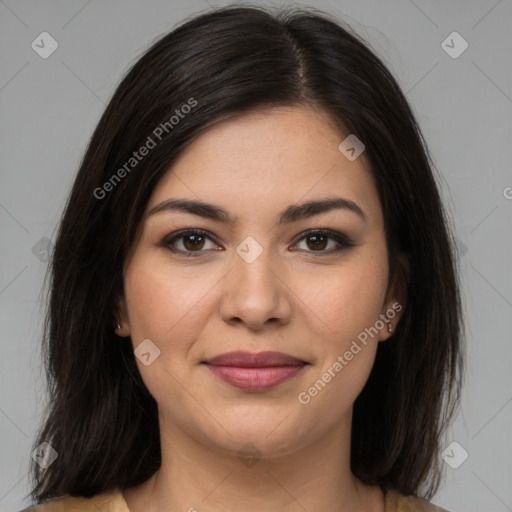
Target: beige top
(113, 501)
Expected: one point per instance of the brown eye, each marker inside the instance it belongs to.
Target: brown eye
(188, 242)
(193, 242)
(318, 240)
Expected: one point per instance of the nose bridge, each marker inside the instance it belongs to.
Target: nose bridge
(254, 293)
(253, 263)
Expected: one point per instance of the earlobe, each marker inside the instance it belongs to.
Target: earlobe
(387, 325)
(121, 324)
(396, 297)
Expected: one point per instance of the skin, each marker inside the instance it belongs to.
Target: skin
(300, 302)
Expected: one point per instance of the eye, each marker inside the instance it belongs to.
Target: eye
(190, 241)
(318, 239)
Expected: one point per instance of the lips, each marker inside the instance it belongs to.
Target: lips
(255, 371)
(257, 360)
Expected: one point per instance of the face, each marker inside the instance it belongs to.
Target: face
(311, 285)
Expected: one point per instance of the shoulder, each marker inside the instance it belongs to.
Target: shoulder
(110, 501)
(397, 502)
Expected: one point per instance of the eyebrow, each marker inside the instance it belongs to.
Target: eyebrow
(291, 214)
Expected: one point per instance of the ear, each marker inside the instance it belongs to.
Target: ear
(122, 318)
(396, 297)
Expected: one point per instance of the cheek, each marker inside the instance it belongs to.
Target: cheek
(334, 387)
(348, 303)
(162, 300)
(168, 307)
(344, 301)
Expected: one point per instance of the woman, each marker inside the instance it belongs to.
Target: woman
(254, 302)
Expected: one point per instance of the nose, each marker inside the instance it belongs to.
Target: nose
(255, 293)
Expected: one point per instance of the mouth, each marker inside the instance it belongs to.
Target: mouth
(255, 371)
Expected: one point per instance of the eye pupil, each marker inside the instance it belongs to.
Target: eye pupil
(317, 245)
(194, 245)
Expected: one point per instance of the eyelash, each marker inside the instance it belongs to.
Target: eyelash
(344, 241)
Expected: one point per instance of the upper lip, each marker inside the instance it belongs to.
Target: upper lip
(254, 360)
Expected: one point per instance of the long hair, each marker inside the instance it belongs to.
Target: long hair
(101, 419)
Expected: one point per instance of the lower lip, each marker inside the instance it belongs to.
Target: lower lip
(255, 379)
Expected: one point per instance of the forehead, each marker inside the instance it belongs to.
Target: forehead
(262, 161)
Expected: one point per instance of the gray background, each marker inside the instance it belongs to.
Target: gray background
(49, 108)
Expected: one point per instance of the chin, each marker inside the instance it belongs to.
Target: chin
(268, 433)
(257, 446)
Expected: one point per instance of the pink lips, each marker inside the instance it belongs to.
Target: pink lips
(255, 372)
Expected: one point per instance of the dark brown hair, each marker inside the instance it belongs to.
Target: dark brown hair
(101, 419)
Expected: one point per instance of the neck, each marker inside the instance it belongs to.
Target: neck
(198, 478)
